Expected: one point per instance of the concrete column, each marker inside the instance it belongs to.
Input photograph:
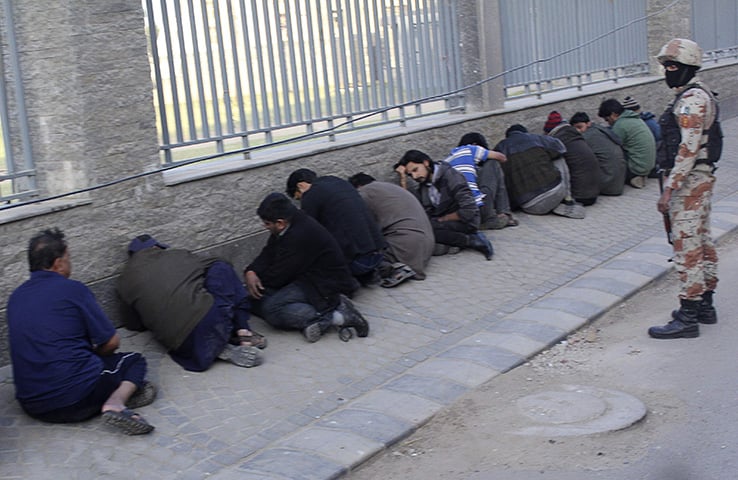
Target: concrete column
(665, 24)
(481, 53)
(88, 91)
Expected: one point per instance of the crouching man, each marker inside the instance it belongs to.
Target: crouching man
(300, 279)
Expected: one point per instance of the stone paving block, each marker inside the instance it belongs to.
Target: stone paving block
(612, 286)
(291, 464)
(372, 425)
(409, 407)
(438, 390)
(541, 332)
(650, 270)
(637, 279)
(343, 448)
(494, 357)
(572, 305)
(601, 300)
(514, 343)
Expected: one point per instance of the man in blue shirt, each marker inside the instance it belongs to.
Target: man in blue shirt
(63, 347)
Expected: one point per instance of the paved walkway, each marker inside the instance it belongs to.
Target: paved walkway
(314, 411)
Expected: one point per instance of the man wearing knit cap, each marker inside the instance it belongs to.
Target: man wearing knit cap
(583, 167)
(630, 103)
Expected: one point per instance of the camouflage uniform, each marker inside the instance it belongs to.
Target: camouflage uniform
(687, 195)
(694, 251)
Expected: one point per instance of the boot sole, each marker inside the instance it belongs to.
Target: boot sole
(674, 335)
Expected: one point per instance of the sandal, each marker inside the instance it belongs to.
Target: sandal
(252, 339)
(127, 420)
(400, 273)
(142, 396)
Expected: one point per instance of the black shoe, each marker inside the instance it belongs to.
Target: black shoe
(479, 242)
(685, 324)
(706, 313)
(352, 317)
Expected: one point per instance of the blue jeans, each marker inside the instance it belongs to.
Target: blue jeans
(289, 309)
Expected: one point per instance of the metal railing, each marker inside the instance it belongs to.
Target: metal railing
(715, 28)
(552, 45)
(231, 74)
(17, 172)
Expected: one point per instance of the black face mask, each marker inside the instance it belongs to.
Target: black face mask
(681, 76)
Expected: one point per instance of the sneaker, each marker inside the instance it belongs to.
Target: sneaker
(638, 182)
(352, 317)
(246, 357)
(312, 332)
(570, 209)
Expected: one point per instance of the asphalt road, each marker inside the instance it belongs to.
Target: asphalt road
(689, 387)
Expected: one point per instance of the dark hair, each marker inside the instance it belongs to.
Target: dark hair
(361, 179)
(579, 117)
(276, 206)
(414, 156)
(474, 138)
(610, 106)
(300, 175)
(44, 248)
(515, 128)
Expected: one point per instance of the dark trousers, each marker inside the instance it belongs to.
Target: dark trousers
(117, 368)
(454, 233)
(230, 312)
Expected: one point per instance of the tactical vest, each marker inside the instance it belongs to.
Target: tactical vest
(671, 136)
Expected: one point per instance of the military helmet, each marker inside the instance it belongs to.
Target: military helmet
(681, 50)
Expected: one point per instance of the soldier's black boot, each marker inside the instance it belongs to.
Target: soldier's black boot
(707, 313)
(683, 325)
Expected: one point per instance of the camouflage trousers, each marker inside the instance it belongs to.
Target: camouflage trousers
(694, 251)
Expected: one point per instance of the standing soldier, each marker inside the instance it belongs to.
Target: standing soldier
(688, 188)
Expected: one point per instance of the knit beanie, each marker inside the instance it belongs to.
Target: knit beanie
(630, 103)
(554, 118)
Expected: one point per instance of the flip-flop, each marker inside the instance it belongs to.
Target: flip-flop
(400, 273)
(143, 396)
(130, 422)
(241, 356)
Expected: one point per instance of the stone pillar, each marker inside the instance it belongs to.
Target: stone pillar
(665, 24)
(88, 92)
(481, 53)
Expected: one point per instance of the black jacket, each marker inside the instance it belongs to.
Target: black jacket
(308, 255)
(337, 205)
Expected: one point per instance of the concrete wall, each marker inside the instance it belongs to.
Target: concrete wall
(92, 120)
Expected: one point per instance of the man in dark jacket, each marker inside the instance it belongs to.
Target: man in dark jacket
(608, 149)
(336, 205)
(448, 201)
(536, 174)
(193, 305)
(583, 167)
(300, 281)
